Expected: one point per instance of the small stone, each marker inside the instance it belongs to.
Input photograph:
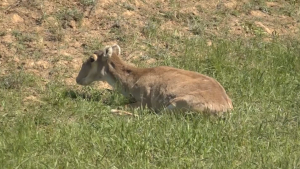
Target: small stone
(42, 64)
(17, 60)
(16, 18)
(7, 38)
(209, 43)
(72, 24)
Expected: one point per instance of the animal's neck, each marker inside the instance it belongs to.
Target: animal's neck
(121, 73)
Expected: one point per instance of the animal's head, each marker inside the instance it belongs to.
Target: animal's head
(94, 68)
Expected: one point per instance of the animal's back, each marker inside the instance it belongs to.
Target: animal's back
(200, 92)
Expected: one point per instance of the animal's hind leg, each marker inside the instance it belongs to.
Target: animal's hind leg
(177, 104)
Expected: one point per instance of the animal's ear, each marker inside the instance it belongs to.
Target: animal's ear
(116, 49)
(108, 51)
(93, 58)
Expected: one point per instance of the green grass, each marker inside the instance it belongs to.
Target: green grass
(72, 128)
(47, 124)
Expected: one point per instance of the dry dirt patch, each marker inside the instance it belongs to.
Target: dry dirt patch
(62, 43)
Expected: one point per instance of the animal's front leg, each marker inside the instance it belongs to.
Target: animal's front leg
(122, 113)
(128, 107)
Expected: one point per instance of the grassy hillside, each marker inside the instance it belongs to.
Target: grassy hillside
(250, 47)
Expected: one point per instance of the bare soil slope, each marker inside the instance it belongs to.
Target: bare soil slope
(51, 38)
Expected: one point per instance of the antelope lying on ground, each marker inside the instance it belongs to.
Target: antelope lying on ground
(159, 88)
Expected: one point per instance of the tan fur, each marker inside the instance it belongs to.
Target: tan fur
(158, 88)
